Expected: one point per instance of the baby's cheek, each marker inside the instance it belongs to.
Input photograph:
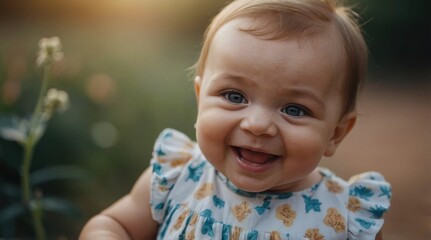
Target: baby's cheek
(307, 144)
(206, 136)
(209, 128)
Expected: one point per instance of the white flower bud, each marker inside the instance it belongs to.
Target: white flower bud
(49, 50)
(57, 100)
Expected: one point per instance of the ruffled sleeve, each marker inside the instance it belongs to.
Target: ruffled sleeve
(369, 199)
(172, 151)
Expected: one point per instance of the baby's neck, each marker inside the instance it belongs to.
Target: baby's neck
(307, 182)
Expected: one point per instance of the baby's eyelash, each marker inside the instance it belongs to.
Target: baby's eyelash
(234, 97)
(296, 110)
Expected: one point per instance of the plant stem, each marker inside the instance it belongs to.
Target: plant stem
(36, 212)
(30, 143)
(28, 152)
(36, 117)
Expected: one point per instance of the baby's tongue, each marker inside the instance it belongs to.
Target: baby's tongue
(252, 156)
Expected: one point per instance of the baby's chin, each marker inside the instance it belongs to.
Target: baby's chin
(250, 185)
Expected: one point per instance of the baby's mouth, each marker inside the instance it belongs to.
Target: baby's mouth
(254, 157)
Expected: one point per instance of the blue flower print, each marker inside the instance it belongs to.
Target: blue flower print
(168, 208)
(163, 181)
(206, 213)
(265, 206)
(183, 232)
(160, 152)
(378, 211)
(252, 235)
(164, 184)
(225, 232)
(218, 202)
(195, 173)
(315, 187)
(362, 192)
(159, 206)
(167, 135)
(311, 204)
(157, 168)
(386, 191)
(207, 226)
(364, 223)
(168, 220)
(284, 195)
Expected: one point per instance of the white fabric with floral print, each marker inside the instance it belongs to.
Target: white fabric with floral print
(192, 200)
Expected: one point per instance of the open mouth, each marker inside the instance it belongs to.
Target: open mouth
(254, 160)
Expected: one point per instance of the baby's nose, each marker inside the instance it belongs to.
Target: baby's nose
(259, 122)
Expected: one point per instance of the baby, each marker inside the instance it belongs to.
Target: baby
(276, 86)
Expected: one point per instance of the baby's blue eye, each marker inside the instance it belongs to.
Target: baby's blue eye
(295, 111)
(234, 97)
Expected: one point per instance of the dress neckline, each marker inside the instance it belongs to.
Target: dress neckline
(279, 195)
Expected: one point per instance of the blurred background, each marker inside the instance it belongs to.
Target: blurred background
(125, 69)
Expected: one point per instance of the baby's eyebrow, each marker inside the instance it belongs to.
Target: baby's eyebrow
(230, 77)
(307, 93)
(224, 80)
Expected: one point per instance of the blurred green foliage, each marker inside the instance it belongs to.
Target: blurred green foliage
(398, 34)
(125, 70)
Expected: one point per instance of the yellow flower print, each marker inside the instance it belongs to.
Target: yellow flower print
(241, 211)
(313, 234)
(189, 145)
(334, 219)
(181, 219)
(204, 190)
(179, 161)
(182, 158)
(194, 219)
(333, 186)
(236, 231)
(275, 236)
(286, 214)
(191, 234)
(354, 178)
(163, 188)
(354, 204)
(160, 159)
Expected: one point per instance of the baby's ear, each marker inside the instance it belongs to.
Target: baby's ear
(198, 82)
(344, 126)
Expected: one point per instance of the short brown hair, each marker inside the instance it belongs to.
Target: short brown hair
(292, 17)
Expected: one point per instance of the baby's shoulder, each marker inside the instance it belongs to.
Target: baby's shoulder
(367, 185)
(177, 167)
(173, 154)
(368, 198)
(173, 148)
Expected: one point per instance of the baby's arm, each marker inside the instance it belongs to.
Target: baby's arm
(128, 218)
(379, 235)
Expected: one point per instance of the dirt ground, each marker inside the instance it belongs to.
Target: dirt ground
(393, 136)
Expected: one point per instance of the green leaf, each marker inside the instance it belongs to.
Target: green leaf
(13, 128)
(11, 212)
(61, 206)
(58, 173)
(9, 190)
(8, 230)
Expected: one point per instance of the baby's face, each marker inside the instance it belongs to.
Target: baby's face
(268, 110)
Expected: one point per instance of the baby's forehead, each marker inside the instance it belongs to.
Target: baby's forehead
(307, 55)
(243, 27)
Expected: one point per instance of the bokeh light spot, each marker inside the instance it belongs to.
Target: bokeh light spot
(104, 134)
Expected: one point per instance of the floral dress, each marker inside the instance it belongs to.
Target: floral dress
(190, 199)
